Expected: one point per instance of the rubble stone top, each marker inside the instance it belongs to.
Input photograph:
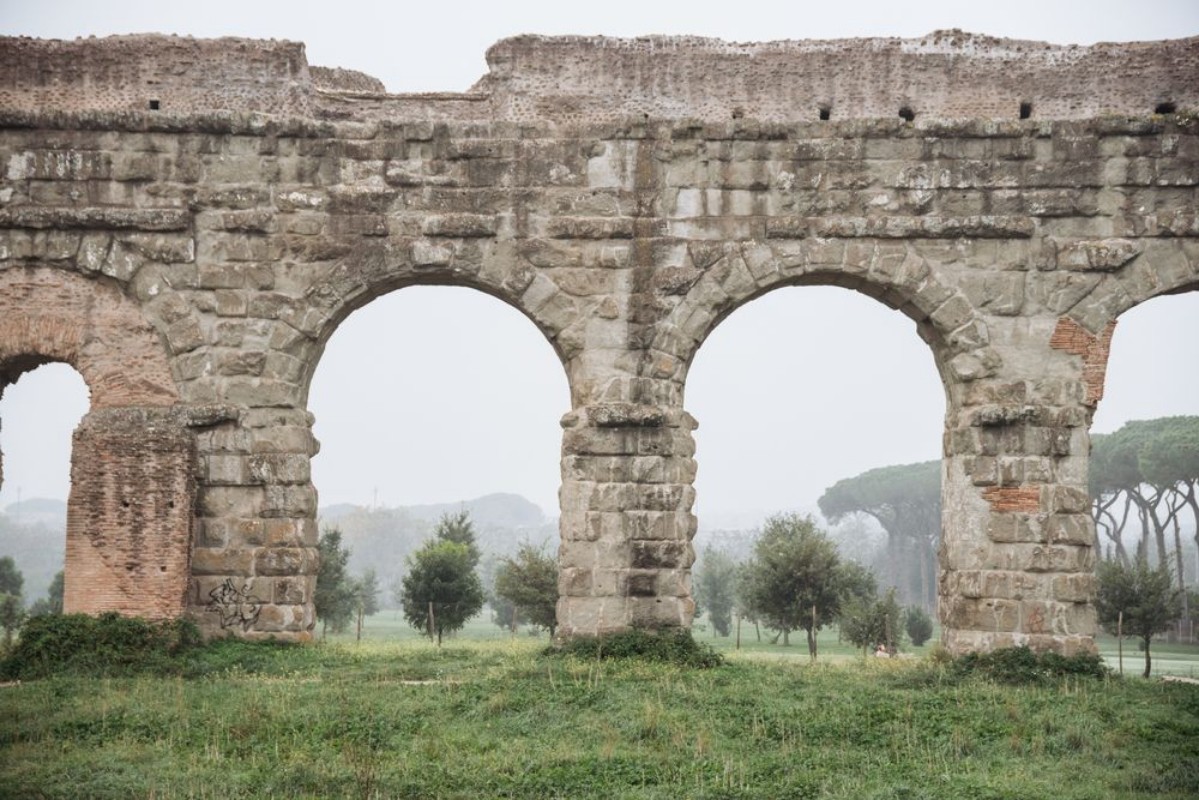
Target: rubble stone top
(573, 79)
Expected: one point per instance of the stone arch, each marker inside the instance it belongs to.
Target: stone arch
(354, 283)
(898, 276)
(50, 314)
(133, 460)
(505, 274)
(1123, 273)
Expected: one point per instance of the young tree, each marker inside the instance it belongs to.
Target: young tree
(715, 588)
(459, 529)
(918, 624)
(335, 592)
(1144, 596)
(504, 613)
(870, 622)
(366, 598)
(530, 583)
(793, 577)
(441, 590)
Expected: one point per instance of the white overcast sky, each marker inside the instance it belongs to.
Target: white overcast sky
(432, 395)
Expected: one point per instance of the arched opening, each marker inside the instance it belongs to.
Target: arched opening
(1144, 466)
(133, 466)
(811, 398)
(38, 413)
(431, 400)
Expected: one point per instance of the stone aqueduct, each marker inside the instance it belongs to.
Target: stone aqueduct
(186, 222)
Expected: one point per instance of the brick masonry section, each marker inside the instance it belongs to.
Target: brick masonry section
(1023, 498)
(1094, 349)
(129, 525)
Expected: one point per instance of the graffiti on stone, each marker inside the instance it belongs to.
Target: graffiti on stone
(235, 606)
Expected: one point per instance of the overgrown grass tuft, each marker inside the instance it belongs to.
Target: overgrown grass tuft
(107, 645)
(674, 646)
(1020, 665)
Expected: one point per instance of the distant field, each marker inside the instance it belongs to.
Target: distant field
(396, 717)
(1168, 659)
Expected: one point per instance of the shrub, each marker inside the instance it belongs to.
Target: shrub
(105, 645)
(1015, 665)
(673, 646)
(919, 625)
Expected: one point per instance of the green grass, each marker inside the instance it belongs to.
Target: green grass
(482, 719)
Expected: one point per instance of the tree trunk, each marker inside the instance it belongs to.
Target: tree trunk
(1148, 661)
(786, 638)
(1120, 641)
(358, 638)
(1182, 585)
(812, 636)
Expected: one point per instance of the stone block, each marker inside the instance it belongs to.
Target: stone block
(284, 560)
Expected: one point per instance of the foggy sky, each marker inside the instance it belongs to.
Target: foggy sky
(441, 394)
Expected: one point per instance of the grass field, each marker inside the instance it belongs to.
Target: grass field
(1168, 659)
(395, 716)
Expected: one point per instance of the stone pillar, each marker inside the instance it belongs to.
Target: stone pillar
(1018, 547)
(129, 520)
(626, 499)
(255, 560)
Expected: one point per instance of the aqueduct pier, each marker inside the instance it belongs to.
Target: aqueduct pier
(186, 222)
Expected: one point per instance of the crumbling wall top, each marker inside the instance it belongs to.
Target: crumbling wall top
(946, 75)
(151, 72)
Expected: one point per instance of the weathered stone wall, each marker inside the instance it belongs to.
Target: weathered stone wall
(243, 240)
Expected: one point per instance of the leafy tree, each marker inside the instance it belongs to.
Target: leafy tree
(1145, 597)
(504, 613)
(918, 624)
(12, 582)
(869, 622)
(335, 599)
(366, 598)
(12, 609)
(793, 578)
(856, 582)
(441, 590)
(530, 583)
(12, 614)
(459, 529)
(54, 594)
(905, 500)
(715, 588)
(367, 592)
(52, 602)
(1150, 467)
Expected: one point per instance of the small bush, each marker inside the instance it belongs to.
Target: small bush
(1017, 665)
(98, 646)
(919, 625)
(667, 647)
